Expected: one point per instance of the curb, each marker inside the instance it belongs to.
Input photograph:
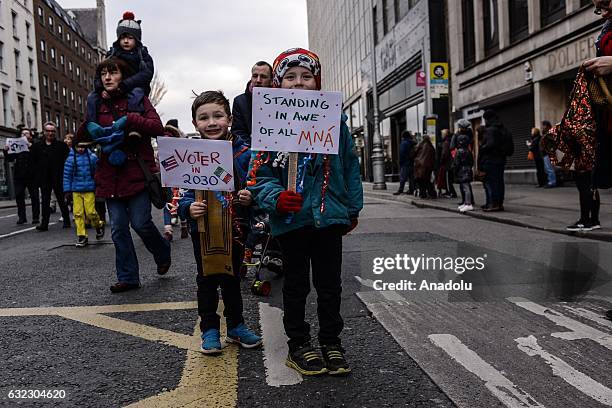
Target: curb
(606, 237)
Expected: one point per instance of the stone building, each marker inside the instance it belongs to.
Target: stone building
(518, 57)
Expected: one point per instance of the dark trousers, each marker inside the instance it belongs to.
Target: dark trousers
(20, 188)
(101, 208)
(407, 174)
(58, 190)
(320, 248)
(589, 197)
(541, 172)
(426, 188)
(449, 179)
(208, 293)
(494, 181)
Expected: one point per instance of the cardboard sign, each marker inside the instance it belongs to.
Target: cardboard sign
(198, 164)
(295, 120)
(17, 145)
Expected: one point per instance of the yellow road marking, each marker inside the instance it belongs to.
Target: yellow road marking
(206, 381)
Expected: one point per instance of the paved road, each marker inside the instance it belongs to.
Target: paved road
(508, 342)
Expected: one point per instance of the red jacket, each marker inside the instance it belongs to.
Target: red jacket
(127, 180)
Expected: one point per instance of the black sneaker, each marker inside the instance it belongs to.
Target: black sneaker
(19, 222)
(100, 230)
(595, 225)
(334, 360)
(81, 241)
(123, 287)
(42, 228)
(580, 226)
(35, 222)
(306, 361)
(398, 193)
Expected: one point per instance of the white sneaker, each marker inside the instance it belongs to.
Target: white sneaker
(460, 208)
(467, 207)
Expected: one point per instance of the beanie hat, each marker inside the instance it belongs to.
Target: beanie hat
(296, 57)
(127, 25)
(464, 124)
(172, 122)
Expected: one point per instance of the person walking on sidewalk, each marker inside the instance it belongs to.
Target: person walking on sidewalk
(551, 176)
(23, 177)
(48, 157)
(407, 152)
(536, 155)
(424, 163)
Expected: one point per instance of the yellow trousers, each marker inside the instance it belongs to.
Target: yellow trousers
(84, 203)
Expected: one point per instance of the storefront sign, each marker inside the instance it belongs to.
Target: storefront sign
(565, 58)
(421, 79)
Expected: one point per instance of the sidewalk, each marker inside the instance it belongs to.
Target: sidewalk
(525, 205)
(11, 203)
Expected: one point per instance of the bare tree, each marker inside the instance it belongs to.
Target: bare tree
(158, 90)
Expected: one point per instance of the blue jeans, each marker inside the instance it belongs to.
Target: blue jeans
(550, 171)
(134, 211)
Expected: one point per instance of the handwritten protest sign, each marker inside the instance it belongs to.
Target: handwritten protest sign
(197, 164)
(295, 120)
(17, 145)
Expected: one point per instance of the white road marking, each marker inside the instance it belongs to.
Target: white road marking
(578, 330)
(587, 314)
(570, 375)
(8, 216)
(501, 387)
(275, 348)
(21, 231)
(387, 294)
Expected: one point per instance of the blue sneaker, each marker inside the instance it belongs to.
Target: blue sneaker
(211, 342)
(244, 336)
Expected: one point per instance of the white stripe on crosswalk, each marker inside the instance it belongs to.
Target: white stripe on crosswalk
(275, 348)
(504, 389)
(587, 314)
(560, 368)
(22, 231)
(577, 329)
(8, 216)
(387, 294)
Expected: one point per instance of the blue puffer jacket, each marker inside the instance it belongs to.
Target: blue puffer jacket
(344, 195)
(242, 155)
(80, 178)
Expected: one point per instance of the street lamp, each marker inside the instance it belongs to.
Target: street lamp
(378, 158)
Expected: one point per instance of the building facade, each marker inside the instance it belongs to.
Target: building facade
(518, 57)
(407, 37)
(66, 62)
(19, 99)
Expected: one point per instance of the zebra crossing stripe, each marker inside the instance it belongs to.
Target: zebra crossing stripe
(501, 387)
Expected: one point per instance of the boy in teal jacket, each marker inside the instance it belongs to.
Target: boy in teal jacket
(326, 208)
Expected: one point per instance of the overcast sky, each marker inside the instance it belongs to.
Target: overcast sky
(202, 45)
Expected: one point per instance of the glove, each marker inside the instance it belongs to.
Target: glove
(289, 202)
(349, 228)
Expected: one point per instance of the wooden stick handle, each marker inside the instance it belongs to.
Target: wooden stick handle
(199, 196)
(292, 172)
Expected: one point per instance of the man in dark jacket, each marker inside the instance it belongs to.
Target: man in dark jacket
(48, 157)
(494, 159)
(23, 178)
(261, 76)
(407, 151)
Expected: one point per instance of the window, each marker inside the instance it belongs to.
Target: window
(66, 123)
(28, 34)
(50, 22)
(31, 69)
(401, 9)
(17, 66)
(78, 73)
(35, 112)
(83, 51)
(55, 90)
(5, 107)
(80, 104)
(60, 31)
(45, 81)
(1, 56)
(53, 60)
(76, 45)
(469, 37)
(519, 24)
(491, 31)
(21, 104)
(68, 37)
(375, 25)
(58, 123)
(14, 17)
(72, 99)
(89, 56)
(70, 68)
(65, 95)
(63, 63)
(43, 50)
(47, 116)
(551, 11)
(385, 15)
(41, 15)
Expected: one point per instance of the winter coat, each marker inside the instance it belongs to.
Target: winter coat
(242, 155)
(602, 170)
(343, 195)
(405, 149)
(463, 164)
(445, 156)
(127, 180)
(140, 62)
(79, 171)
(424, 161)
(535, 147)
(491, 147)
(48, 162)
(241, 115)
(23, 169)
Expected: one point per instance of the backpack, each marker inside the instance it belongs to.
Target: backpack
(507, 143)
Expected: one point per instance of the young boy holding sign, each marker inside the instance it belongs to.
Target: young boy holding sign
(310, 225)
(212, 118)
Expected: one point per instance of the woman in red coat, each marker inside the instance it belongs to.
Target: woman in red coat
(119, 178)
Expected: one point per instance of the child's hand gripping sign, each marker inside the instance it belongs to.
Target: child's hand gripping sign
(205, 166)
(296, 121)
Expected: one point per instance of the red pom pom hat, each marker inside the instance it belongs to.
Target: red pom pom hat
(127, 25)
